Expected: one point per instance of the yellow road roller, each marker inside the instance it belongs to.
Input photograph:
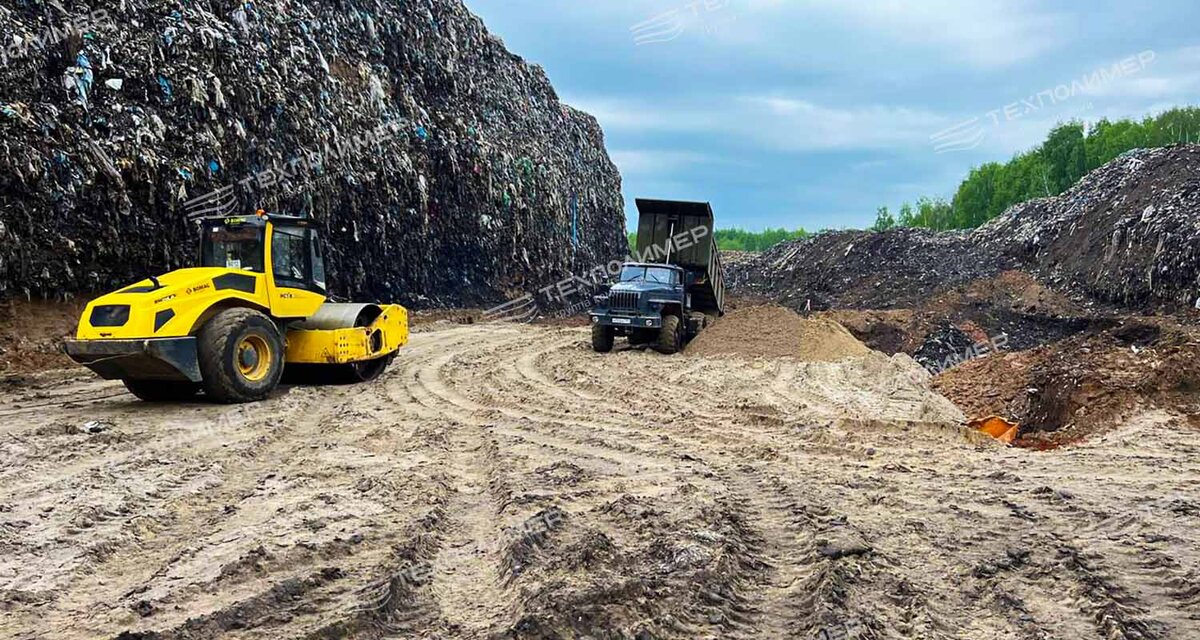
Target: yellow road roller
(255, 307)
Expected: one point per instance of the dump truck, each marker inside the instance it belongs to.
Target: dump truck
(672, 288)
(257, 303)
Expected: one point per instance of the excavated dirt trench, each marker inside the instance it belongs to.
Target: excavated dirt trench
(504, 481)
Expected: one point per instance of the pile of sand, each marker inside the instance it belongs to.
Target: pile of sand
(775, 332)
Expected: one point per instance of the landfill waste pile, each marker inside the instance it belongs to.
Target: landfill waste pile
(943, 347)
(1127, 234)
(861, 269)
(444, 168)
(1125, 238)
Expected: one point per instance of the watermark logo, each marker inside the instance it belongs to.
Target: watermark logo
(523, 309)
(970, 133)
(994, 344)
(55, 34)
(222, 202)
(572, 294)
(301, 169)
(671, 24)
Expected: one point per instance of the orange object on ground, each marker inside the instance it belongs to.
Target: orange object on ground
(996, 427)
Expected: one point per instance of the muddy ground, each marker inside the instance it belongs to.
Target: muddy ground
(504, 481)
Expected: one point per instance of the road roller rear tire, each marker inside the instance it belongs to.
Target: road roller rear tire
(241, 356)
(368, 370)
(162, 390)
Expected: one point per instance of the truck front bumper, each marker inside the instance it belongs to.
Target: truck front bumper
(628, 322)
(139, 359)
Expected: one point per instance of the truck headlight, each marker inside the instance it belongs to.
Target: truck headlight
(600, 300)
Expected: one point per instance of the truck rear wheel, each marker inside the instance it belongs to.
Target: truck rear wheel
(241, 356)
(161, 390)
(602, 338)
(670, 337)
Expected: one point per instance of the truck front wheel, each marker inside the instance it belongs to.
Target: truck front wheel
(670, 337)
(602, 338)
(241, 356)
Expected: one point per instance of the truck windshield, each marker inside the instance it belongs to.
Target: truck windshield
(232, 248)
(635, 273)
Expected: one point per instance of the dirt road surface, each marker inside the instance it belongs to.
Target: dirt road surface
(504, 481)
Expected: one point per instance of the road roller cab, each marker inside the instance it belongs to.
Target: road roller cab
(255, 304)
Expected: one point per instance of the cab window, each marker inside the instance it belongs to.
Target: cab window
(296, 259)
(289, 256)
(318, 262)
(232, 248)
(641, 273)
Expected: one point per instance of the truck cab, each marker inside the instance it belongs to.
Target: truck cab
(667, 297)
(639, 304)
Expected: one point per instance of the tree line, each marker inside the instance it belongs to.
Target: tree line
(1070, 151)
(742, 240)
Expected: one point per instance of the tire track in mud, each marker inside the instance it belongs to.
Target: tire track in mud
(42, 401)
(466, 571)
(251, 476)
(670, 423)
(812, 555)
(457, 498)
(428, 385)
(1125, 579)
(242, 469)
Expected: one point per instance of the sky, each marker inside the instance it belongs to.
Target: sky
(813, 113)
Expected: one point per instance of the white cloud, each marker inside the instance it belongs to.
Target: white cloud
(799, 125)
(654, 162)
(773, 120)
(985, 33)
(1170, 75)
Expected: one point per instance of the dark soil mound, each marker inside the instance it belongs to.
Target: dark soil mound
(861, 269)
(1125, 238)
(1127, 234)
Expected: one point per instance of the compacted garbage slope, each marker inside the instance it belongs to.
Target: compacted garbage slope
(1126, 236)
(445, 168)
(1128, 233)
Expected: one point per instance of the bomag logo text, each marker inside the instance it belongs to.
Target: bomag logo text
(200, 287)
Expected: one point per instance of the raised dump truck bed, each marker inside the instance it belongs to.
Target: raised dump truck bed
(688, 228)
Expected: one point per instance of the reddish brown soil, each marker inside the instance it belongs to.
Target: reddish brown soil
(31, 334)
(1084, 385)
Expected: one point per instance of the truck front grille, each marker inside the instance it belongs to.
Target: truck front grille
(624, 300)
